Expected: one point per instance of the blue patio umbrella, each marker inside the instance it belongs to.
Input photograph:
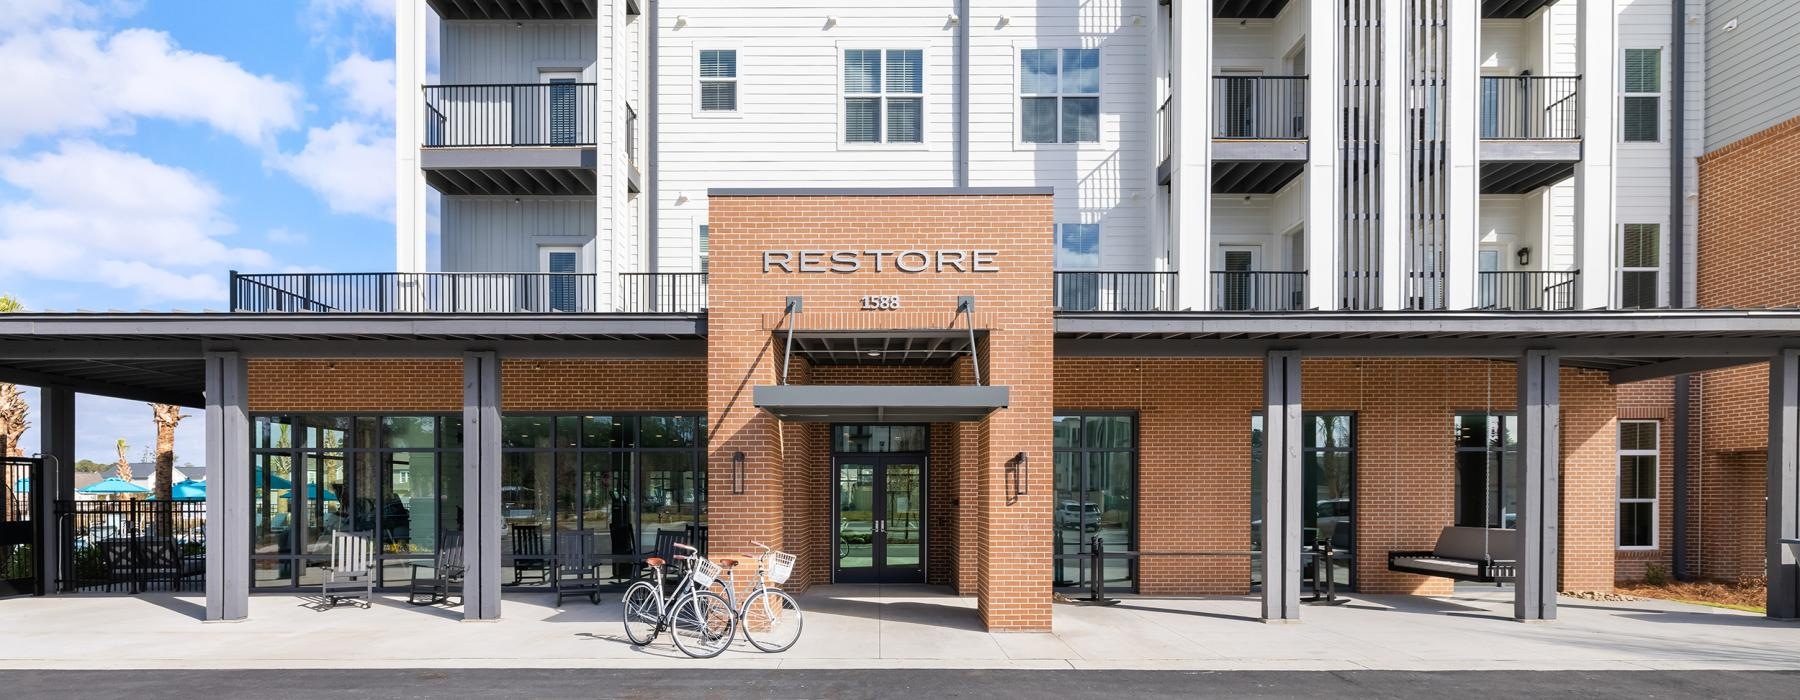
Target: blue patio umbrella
(23, 485)
(187, 490)
(312, 494)
(113, 485)
(273, 483)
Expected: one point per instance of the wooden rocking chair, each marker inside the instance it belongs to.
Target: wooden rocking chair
(352, 570)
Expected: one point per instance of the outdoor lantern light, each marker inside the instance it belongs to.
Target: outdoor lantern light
(737, 473)
(1524, 257)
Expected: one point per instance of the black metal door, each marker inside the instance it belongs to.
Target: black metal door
(21, 522)
(880, 519)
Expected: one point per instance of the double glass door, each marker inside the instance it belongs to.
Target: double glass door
(880, 518)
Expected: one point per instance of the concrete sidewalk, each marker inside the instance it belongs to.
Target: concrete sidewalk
(902, 627)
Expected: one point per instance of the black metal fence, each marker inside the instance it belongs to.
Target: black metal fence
(1259, 107)
(1528, 290)
(1115, 291)
(526, 114)
(1531, 107)
(1259, 290)
(662, 292)
(133, 546)
(21, 558)
(414, 292)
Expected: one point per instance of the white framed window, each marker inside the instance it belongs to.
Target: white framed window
(562, 285)
(1640, 266)
(1639, 457)
(1059, 95)
(884, 96)
(1640, 112)
(1078, 247)
(703, 246)
(718, 76)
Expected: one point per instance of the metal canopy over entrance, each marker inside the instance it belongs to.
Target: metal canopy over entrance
(877, 404)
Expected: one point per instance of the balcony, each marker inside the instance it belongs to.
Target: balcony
(1528, 290)
(1259, 132)
(463, 293)
(1258, 290)
(1530, 131)
(513, 139)
(518, 9)
(1115, 291)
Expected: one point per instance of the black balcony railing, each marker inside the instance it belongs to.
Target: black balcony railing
(1259, 107)
(1519, 107)
(662, 292)
(531, 114)
(1115, 291)
(1258, 290)
(1528, 290)
(414, 292)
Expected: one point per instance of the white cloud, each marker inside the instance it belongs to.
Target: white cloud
(379, 9)
(367, 85)
(350, 164)
(283, 236)
(101, 216)
(80, 80)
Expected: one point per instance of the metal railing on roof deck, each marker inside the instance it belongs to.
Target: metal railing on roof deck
(524, 114)
(662, 292)
(1259, 290)
(415, 292)
(1528, 290)
(1524, 107)
(1115, 291)
(1259, 106)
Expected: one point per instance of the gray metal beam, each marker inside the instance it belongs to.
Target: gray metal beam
(1282, 474)
(1531, 151)
(1498, 347)
(1671, 368)
(56, 443)
(492, 159)
(526, 349)
(228, 480)
(1784, 485)
(876, 191)
(481, 485)
(1534, 590)
(1259, 151)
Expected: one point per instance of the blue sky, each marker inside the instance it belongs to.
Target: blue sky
(149, 146)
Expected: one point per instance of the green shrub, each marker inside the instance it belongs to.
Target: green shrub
(1656, 574)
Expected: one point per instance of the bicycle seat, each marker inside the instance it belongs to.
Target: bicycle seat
(654, 562)
(726, 563)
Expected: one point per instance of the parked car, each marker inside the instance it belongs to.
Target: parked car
(1069, 515)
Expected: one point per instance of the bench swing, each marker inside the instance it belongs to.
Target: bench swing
(1472, 554)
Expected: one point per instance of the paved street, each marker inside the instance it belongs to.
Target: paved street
(912, 684)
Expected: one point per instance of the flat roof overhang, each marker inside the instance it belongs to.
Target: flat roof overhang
(867, 404)
(159, 357)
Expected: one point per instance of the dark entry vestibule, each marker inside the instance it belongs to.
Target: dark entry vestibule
(879, 508)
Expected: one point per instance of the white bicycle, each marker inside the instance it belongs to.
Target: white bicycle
(702, 622)
(769, 616)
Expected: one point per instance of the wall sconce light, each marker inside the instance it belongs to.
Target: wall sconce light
(1018, 471)
(1524, 257)
(1004, 20)
(737, 473)
(680, 21)
(1137, 20)
(830, 21)
(953, 20)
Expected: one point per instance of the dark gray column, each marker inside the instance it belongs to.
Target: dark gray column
(56, 435)
(1784, 483)
(1281, 486)
(227, 488)
(481, 485)
(1540, 463)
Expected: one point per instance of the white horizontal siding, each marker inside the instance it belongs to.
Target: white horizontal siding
(493, 234)
(478, 52)
(1750, 75)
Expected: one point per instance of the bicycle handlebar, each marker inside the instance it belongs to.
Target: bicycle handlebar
(764, 546)
(683, 546)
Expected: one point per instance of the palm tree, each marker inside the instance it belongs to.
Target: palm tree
(14, 411)
(166, 416)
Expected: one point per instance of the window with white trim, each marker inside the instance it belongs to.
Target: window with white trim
(1638, 465)
(1640, 265)
(884, 95)
(718, 80)
(1059, 95)
(1640, 115)
(705, 246)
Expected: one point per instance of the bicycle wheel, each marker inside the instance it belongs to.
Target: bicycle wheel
(702, 624)
(641, 613)
(771, 620)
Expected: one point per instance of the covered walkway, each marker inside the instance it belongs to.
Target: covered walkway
(901, 627)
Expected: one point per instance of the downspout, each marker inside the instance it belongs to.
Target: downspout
(1678, 296)
(962, 92)
(652, 105)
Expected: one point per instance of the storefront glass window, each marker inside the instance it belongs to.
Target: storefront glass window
(1328, 493)
(1095, 475)
(1487, 470)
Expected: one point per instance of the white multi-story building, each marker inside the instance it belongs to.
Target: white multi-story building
(1229, 155)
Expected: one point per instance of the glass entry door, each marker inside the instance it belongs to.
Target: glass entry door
(880, 519)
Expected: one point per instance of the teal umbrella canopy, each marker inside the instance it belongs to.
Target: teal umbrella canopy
(312, 494)
(23, 485)
(187, 490)
(113, 485)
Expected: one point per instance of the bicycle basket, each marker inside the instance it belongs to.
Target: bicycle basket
(781, 566)
(705, 571)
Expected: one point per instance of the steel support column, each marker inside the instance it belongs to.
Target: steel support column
(1784, 484)
(228, 486)
(1534, 591)
(56, 435)
(481, 485)
(1281, 486)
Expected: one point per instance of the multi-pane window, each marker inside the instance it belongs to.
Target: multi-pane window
(1640, 265)
(1487, 470)
(1059, 95)
(1327, 491)
(718, 80)
(884, 96)
(1095, 481)
(1638, 441)
(1640, 114)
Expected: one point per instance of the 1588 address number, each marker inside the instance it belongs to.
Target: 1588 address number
(880, 303)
